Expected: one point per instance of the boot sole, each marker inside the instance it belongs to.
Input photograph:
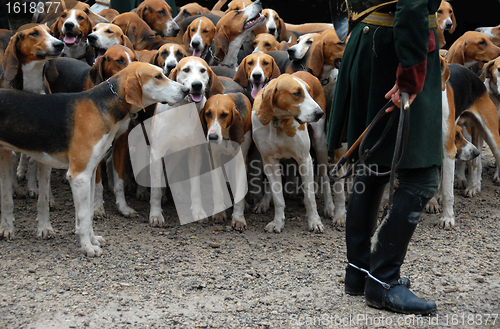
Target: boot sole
(380, 307)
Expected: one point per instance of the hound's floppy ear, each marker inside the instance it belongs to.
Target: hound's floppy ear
(282, 36)
(154, 58)
(173, 73)
(265, 110)
(316, 57)
(241, 75)
(133, 90)
(203, 121)
(236, 131)
(275, 72)
(454, 21)
(186, 38)
(10, 63)
(50, 71)
(215, 85)
(221, 44)
(445, 72)
(141, 9)
(126, 42)
(486, 74)
(456, 53)
(96, 72)
(56, 32)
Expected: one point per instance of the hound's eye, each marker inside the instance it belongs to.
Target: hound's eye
(440, 11)
(203, 70)
(193, 30)
(457, 137)
(267, 44)
(35, 34)
(297, 93)
(250, 63)
(162, 13)
(266, 16)
(178, 53)
(109, 31)
(185, 70)
(309, 42)
(482, 43)
(265, 63)
(276, 19)
(80, 17)
(223, 116)
(164, 53)
(64, 15)
(120, 61)
(208, 115)
(205, 31)
(159, 77)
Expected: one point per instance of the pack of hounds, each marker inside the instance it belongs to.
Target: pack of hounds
(75, 82)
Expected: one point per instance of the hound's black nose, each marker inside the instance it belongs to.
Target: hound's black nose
(272, 30)
(58, 45)
(195, 44)
(91, 38)
(257, 76)
(69, 25)
(213, 137)
(196, 86)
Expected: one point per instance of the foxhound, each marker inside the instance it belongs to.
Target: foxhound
(158, 15)
(199, 36)
(105, 35)
(279, 116)
(168, 56)
(275, 26)
(265, 42)
(73, 27)
(491, 79)
(472, 47)
(73, 131)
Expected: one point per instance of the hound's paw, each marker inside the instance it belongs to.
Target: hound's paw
(239, 224)
(128, 212)
(98, 240)
(275, 226)
(6, 232)
(99, 212)
(316, 225)
(472, 191)
(446, 222)
(339, 221)
(220, 217)
(46, 232)
(433, 206)
(156, 220)
(92, 251)
(33, 194)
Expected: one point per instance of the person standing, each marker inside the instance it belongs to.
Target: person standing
(394, 49)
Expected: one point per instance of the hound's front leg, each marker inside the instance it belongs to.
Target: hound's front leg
(273, 172)
(6, 175)
(447, 219)
(155, 212)
(45, 230)
(306, 171)
(81, 186)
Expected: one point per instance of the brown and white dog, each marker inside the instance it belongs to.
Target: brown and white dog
(254, 71)
(105, 35)
(73, 27)
(445, 21)
(168, 56)
(138, 31)
(275, 26)
(471, 48)
(491, 78)
(455, 147)
(196, 75)
(191, 9)
(304, 42)
(199, 36)
(279, 116)
(227, 117)
(493, 32)
(75, 136)
(265, 42)
(231, 30)
(158, 15)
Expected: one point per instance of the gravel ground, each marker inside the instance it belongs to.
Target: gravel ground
(209, 276)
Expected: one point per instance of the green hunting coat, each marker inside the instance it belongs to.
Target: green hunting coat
(375, 56)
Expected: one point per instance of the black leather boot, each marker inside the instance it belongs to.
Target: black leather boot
(362, 215)
(389, 246)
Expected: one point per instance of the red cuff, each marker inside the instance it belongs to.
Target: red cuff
(411, 79)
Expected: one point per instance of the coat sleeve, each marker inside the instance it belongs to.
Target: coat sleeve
(413, 40)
